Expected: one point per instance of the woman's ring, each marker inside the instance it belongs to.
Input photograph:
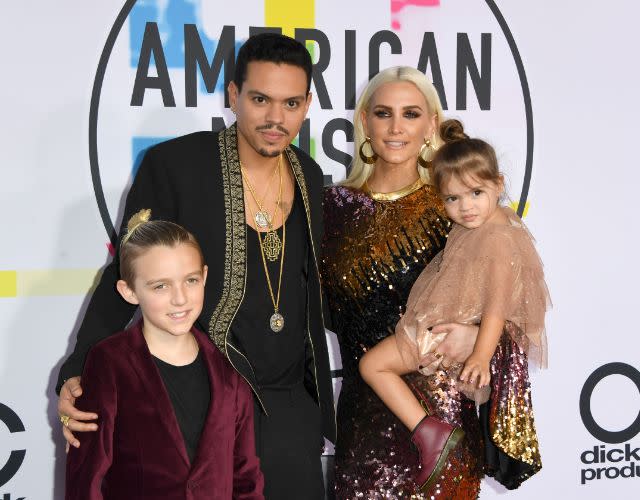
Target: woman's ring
(65, 420)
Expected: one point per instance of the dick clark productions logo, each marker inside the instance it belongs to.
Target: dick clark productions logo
(12, 421)
(603, 461)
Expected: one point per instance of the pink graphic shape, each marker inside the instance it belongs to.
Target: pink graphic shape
(398, 5)
(112, 251)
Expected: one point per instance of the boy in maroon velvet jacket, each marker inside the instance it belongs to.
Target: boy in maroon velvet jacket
(175, 419)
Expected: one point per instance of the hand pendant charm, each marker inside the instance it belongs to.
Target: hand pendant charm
(272, 246)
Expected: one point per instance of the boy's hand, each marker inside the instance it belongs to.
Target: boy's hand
(476, 368)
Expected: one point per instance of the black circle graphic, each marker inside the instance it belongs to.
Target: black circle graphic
(585, 403)
(102, 67)
(93, 119)
(11, 419)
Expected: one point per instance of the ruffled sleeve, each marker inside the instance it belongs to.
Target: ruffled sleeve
(511, 279)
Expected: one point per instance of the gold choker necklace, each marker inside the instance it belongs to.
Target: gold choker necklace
(394, 195)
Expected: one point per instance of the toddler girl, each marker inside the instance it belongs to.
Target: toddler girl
(488, 274)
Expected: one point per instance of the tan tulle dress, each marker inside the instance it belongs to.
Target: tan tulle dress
(491, 270)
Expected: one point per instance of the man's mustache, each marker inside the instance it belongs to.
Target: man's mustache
(279, 128)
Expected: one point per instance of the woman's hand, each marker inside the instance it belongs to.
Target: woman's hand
(458, 344)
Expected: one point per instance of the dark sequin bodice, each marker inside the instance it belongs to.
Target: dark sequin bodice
(372, 254)
(373, 251)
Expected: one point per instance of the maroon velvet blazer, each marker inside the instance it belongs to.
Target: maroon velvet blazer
(138, 451)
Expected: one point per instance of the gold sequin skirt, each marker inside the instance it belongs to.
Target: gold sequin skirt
(374, 458)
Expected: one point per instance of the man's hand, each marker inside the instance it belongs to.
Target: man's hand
(66, 407)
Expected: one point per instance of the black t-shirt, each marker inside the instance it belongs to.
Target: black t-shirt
(190, 393)
(277, 357)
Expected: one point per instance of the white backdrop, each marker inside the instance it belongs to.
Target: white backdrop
(581, 204)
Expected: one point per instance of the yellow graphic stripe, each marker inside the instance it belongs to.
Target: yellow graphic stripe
(289, 14)
(514, 206)
(8, 284)
(47, 283)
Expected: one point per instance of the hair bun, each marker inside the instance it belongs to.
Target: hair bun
(452, 130)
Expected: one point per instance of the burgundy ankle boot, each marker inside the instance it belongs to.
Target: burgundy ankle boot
(434, 439)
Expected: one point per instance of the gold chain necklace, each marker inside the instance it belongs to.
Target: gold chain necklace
(276, 321)
(273, 245)
(262, 217)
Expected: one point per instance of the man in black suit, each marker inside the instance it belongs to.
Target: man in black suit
(253, 201)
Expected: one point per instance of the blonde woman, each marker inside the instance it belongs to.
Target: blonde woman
(383, 224)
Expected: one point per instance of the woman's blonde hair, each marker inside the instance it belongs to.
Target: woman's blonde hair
(360, 171)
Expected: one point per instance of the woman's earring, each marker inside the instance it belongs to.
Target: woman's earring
(369, 160)
(428, 149)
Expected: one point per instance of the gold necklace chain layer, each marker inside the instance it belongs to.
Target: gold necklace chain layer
(263, 216)
(263, 219)
(276, 321)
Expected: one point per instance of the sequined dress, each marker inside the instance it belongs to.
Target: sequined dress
(373, 251)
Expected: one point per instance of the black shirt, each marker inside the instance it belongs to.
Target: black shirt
(277, 357)
(190, 393)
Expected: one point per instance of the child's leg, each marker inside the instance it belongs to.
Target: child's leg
(434, 438)
(381, 368)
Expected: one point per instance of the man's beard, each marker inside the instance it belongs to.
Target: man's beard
(264, 152)
(269, 154)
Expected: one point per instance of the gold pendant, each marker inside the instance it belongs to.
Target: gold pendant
(272, 246)
(276, 322)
